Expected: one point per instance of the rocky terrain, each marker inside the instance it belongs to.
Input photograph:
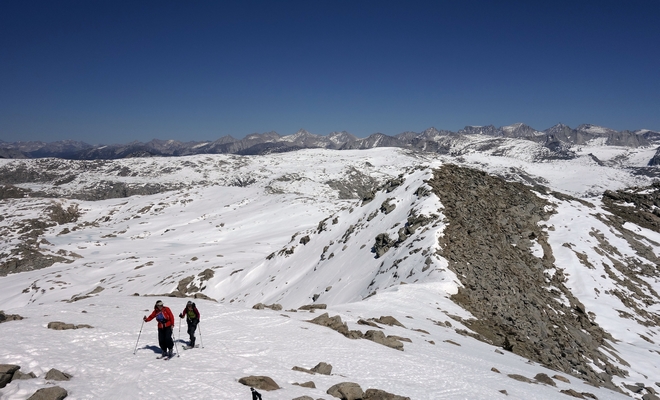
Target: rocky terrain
(528, 252)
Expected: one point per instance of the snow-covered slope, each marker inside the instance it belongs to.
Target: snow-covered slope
(356, 230)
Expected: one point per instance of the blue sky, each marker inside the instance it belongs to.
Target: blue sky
(118, 71)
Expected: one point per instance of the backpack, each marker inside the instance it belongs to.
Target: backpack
(161, 318)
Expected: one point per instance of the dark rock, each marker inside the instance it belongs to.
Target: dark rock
(368, 323)
(572, 393)
(308, 384)
(9, 317)
(543, 378)
(346, 391)
(336, 324)
(60, 326)
(50, 393)
(259, 382)
(322, 368)
(261, 306)
(5, 379)
(637, 388)
(20, 375)
(379, 337)
(520, 378)
(9, 368)
(313, 307)
(377, 394)
(389, 320)
(56, 375)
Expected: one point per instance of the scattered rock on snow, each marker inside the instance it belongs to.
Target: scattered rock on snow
(346, 391)
(377, 394)
(261, 306)
(543, 378)
(259, 382)
(9, 317)
(380, 338)
(6, 373)
(320, 368)
(388, 320)
(57, 375)
(336, 324)
(60, 326)
(313, 307)
(49, 393)
(579, 395)
(520, 378)
(20, 375)
(308, 384)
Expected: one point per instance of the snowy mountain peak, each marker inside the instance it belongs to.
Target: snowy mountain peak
(595, 129)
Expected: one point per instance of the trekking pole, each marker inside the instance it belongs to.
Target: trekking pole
(175, 346)
(138, 341)
(179, 328)
(200, 334)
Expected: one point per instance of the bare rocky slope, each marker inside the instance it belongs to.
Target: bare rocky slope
(516, 304)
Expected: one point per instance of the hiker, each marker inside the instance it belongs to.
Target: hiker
(192, 318)
(165, 320)
(255, 395)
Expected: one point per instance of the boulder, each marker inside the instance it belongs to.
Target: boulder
(20, 375)
(4, 380)
(9, 317)
(259, 382)
(543, 378)
(380, 338)
(308, 384)
(49, 393)
(56, 375)
(9, 368)
(313, 307)
(322, 368)
(346, 391)
(60, 326)
(389, 320)
(377, 394)
(520, 378)
(6, 373)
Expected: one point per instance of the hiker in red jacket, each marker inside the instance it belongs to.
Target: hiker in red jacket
(165, 320)
(192, 318)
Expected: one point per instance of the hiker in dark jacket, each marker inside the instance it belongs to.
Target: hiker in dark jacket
(165, 320)
(255, 395)
(192, 318)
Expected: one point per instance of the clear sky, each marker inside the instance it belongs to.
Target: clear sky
(118, 71)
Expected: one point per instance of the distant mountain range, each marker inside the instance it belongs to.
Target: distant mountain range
(558, 139)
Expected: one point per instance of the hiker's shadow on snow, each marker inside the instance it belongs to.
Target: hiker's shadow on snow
(155, 349)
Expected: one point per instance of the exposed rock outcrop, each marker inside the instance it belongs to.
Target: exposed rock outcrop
(492, 225)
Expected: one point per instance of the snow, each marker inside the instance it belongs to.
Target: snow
(147, 244)
(236, 342)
